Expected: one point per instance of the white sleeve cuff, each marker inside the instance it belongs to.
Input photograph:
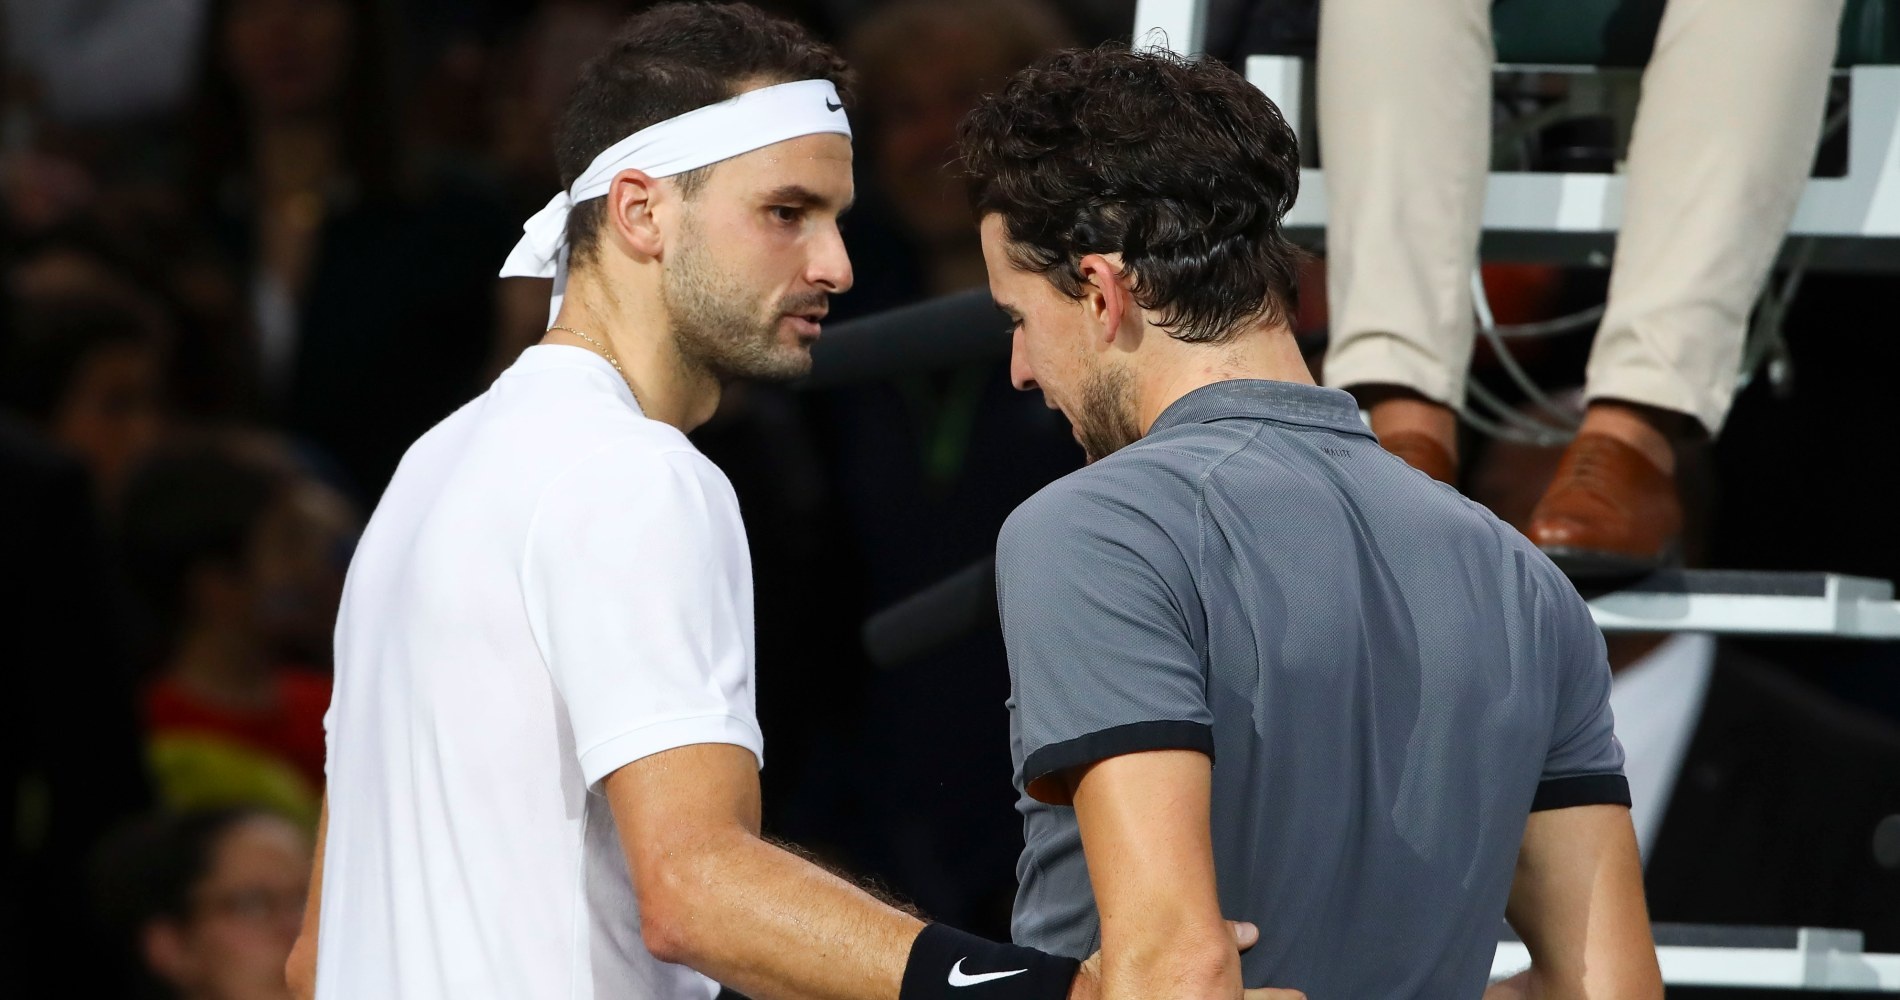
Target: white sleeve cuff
(603, 759)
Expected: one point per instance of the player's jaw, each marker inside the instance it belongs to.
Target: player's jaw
(734, 330)
(1103, 414)
(1096, 396)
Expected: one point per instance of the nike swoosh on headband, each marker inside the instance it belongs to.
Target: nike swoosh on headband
(958, 978)
(698, 138)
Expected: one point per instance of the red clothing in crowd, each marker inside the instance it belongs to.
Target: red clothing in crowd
(291, 730)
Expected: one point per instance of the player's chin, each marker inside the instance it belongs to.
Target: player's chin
(796, 338)
(783, 363)
(797, 363)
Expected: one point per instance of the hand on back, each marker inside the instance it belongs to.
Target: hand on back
(1088, 981)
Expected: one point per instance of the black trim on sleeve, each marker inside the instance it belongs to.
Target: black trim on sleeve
(1135, 737)
(1582, 790)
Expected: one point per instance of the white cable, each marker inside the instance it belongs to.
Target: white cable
(1552, 327)
(1481, 304)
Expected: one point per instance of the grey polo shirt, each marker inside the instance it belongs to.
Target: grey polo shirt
(1387, 678)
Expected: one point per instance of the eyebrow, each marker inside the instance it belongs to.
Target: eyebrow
(803, 197)
(1005, 308)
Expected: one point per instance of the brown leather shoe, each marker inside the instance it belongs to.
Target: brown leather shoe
(1424, 453)
(1609, 512)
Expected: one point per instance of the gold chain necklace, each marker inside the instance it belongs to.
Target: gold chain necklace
(606, 352)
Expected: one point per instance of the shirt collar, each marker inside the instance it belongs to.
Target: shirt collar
(541, 357)
(1265, 399)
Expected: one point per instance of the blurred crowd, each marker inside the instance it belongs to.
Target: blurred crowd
(247, 255)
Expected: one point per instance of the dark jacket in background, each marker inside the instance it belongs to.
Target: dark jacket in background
(396, 323)
(1772, 820)
(71, 762)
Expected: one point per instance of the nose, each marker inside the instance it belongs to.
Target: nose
(830, 263)
(1020, 374)
(287, 916)
(289, 925)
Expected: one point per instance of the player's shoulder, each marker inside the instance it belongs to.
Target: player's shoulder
(1153, 473)
(644, 463)
(1546, 594)
(632, 486)
(1133, 498)
(1067, 501)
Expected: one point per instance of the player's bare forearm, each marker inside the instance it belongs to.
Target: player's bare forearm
(1144, 823)
(720, 900)
(300, 972)
(1577, 903)
(772, 925)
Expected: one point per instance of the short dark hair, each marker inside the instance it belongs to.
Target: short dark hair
(372, 138)
(667, 61)
(1181, 166)
(149, 869)
(50, 339)
(195, 502)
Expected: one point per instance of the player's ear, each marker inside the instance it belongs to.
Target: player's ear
(630, 202)
(1106, 297)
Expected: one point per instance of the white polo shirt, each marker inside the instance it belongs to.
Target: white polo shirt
(553, 586)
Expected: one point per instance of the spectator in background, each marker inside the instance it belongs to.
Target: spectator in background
(70, 762)
(926, 467)
(86, 369)
(538, 64)
(238, 556)
(921, 504)
(924, 64)
(365, 274)
(103, 60)
(534, 66)
(163, 267)
(210, 901)
(1756, 799)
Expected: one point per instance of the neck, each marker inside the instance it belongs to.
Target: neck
(224, 667)
(294, 154)
(1180, 368)
(629, 319)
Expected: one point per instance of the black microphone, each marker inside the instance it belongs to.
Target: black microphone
(934, 617)
(938, 333)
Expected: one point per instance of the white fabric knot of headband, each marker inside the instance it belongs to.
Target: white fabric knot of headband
(698, 138)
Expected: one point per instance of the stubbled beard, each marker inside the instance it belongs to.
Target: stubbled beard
(714, 326)
(1105, 418)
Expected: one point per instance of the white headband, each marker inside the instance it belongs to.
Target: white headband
(698, 138)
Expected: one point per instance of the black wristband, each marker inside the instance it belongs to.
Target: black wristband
(947, 964)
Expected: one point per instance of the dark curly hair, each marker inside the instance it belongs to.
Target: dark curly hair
(1182, 167)
(669, 60)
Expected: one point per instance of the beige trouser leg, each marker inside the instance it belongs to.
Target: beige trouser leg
(1731, 112)
(1405, 132)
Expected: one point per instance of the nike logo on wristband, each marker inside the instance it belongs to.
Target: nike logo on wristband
(958, 978)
